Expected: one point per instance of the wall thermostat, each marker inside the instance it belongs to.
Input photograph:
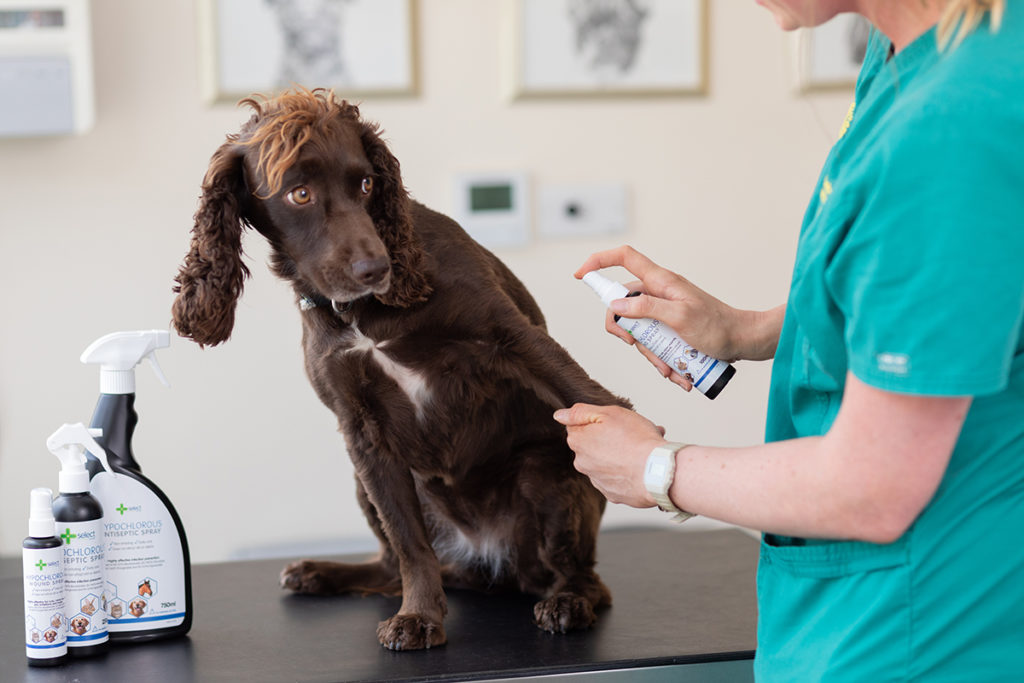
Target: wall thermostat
(493, 208)
(45, 67)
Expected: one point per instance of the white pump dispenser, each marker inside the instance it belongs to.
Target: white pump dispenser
(40, 517)
(608, 290)
(118, 354)
(69, 443)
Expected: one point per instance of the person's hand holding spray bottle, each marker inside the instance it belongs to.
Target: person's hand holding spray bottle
(706, 323)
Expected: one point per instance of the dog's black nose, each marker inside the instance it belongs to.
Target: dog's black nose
(370, 271)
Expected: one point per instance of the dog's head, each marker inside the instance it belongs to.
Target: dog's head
(79, 625)
(320, 184)
(137, 607)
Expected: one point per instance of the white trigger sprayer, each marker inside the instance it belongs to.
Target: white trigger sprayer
(119, 352)
(69, 443)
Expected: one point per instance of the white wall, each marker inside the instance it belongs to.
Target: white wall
(93, 228)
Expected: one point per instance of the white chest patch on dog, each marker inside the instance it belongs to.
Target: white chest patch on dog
(487, 548)
(411, 382)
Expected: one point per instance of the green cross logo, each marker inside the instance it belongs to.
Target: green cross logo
(67, 536)
(121, 508)
(41, 565)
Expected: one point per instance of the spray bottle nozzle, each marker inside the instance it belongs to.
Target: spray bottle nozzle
(118, 354)
(69, 443)
(40, 515)
(608, 290)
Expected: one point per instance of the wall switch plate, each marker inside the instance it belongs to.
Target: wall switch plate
(581, 210)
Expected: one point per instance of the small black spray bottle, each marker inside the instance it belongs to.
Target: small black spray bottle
(708, 375)
(43, 568)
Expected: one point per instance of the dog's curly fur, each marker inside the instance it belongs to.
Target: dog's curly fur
(431, 353)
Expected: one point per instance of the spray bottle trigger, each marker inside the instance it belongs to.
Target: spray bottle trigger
(151, 357)
(101, 454)
(69, 444)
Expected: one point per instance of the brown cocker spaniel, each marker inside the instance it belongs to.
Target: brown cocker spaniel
(431, 353)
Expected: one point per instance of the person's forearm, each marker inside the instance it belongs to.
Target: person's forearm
(758, 335)
(868, 478)
(780, 488)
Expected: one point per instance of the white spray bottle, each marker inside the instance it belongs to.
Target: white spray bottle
(42, 561)
(149, 574)
(79, 523)
(709, 375)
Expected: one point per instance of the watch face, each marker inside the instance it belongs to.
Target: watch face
(657, 470)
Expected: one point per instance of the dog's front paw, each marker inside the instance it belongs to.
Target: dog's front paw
(564, 612)
(305, 576)
(410, 632)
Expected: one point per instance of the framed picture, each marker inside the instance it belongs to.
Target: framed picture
(358, 47)
(607, 47)
(829, 56)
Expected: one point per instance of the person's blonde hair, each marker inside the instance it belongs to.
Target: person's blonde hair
(963, 16)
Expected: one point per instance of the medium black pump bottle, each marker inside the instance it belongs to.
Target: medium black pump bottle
(79, 524)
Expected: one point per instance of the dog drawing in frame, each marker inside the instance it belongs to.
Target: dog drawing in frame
(432, 355)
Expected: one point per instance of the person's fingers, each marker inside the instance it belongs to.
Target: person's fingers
(664, 369)
(613, 327)
(680, 381)
(627, 257)
(646, 306)
(609, 321)
(578, 415)
(635, 286)
(601, 259)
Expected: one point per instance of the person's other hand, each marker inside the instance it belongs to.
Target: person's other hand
(611, 445)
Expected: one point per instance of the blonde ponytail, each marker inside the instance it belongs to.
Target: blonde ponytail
(963, 16)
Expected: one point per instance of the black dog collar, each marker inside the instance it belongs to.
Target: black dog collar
(308, 302)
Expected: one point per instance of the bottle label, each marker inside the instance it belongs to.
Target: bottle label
(145, 565)
(45, 623)
(701, 369)
(85, 594)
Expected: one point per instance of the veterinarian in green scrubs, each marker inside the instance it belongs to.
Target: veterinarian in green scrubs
(891, 489)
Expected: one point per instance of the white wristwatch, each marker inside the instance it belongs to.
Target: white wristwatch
(658, 475)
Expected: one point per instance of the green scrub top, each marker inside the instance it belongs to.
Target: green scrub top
(910, 274)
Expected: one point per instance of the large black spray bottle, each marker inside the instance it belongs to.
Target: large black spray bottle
(148, 571)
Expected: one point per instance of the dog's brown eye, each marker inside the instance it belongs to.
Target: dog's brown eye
(300, 195)
(367, 185)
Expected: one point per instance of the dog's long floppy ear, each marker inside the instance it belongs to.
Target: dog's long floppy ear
(211, 279)
(389, 209)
